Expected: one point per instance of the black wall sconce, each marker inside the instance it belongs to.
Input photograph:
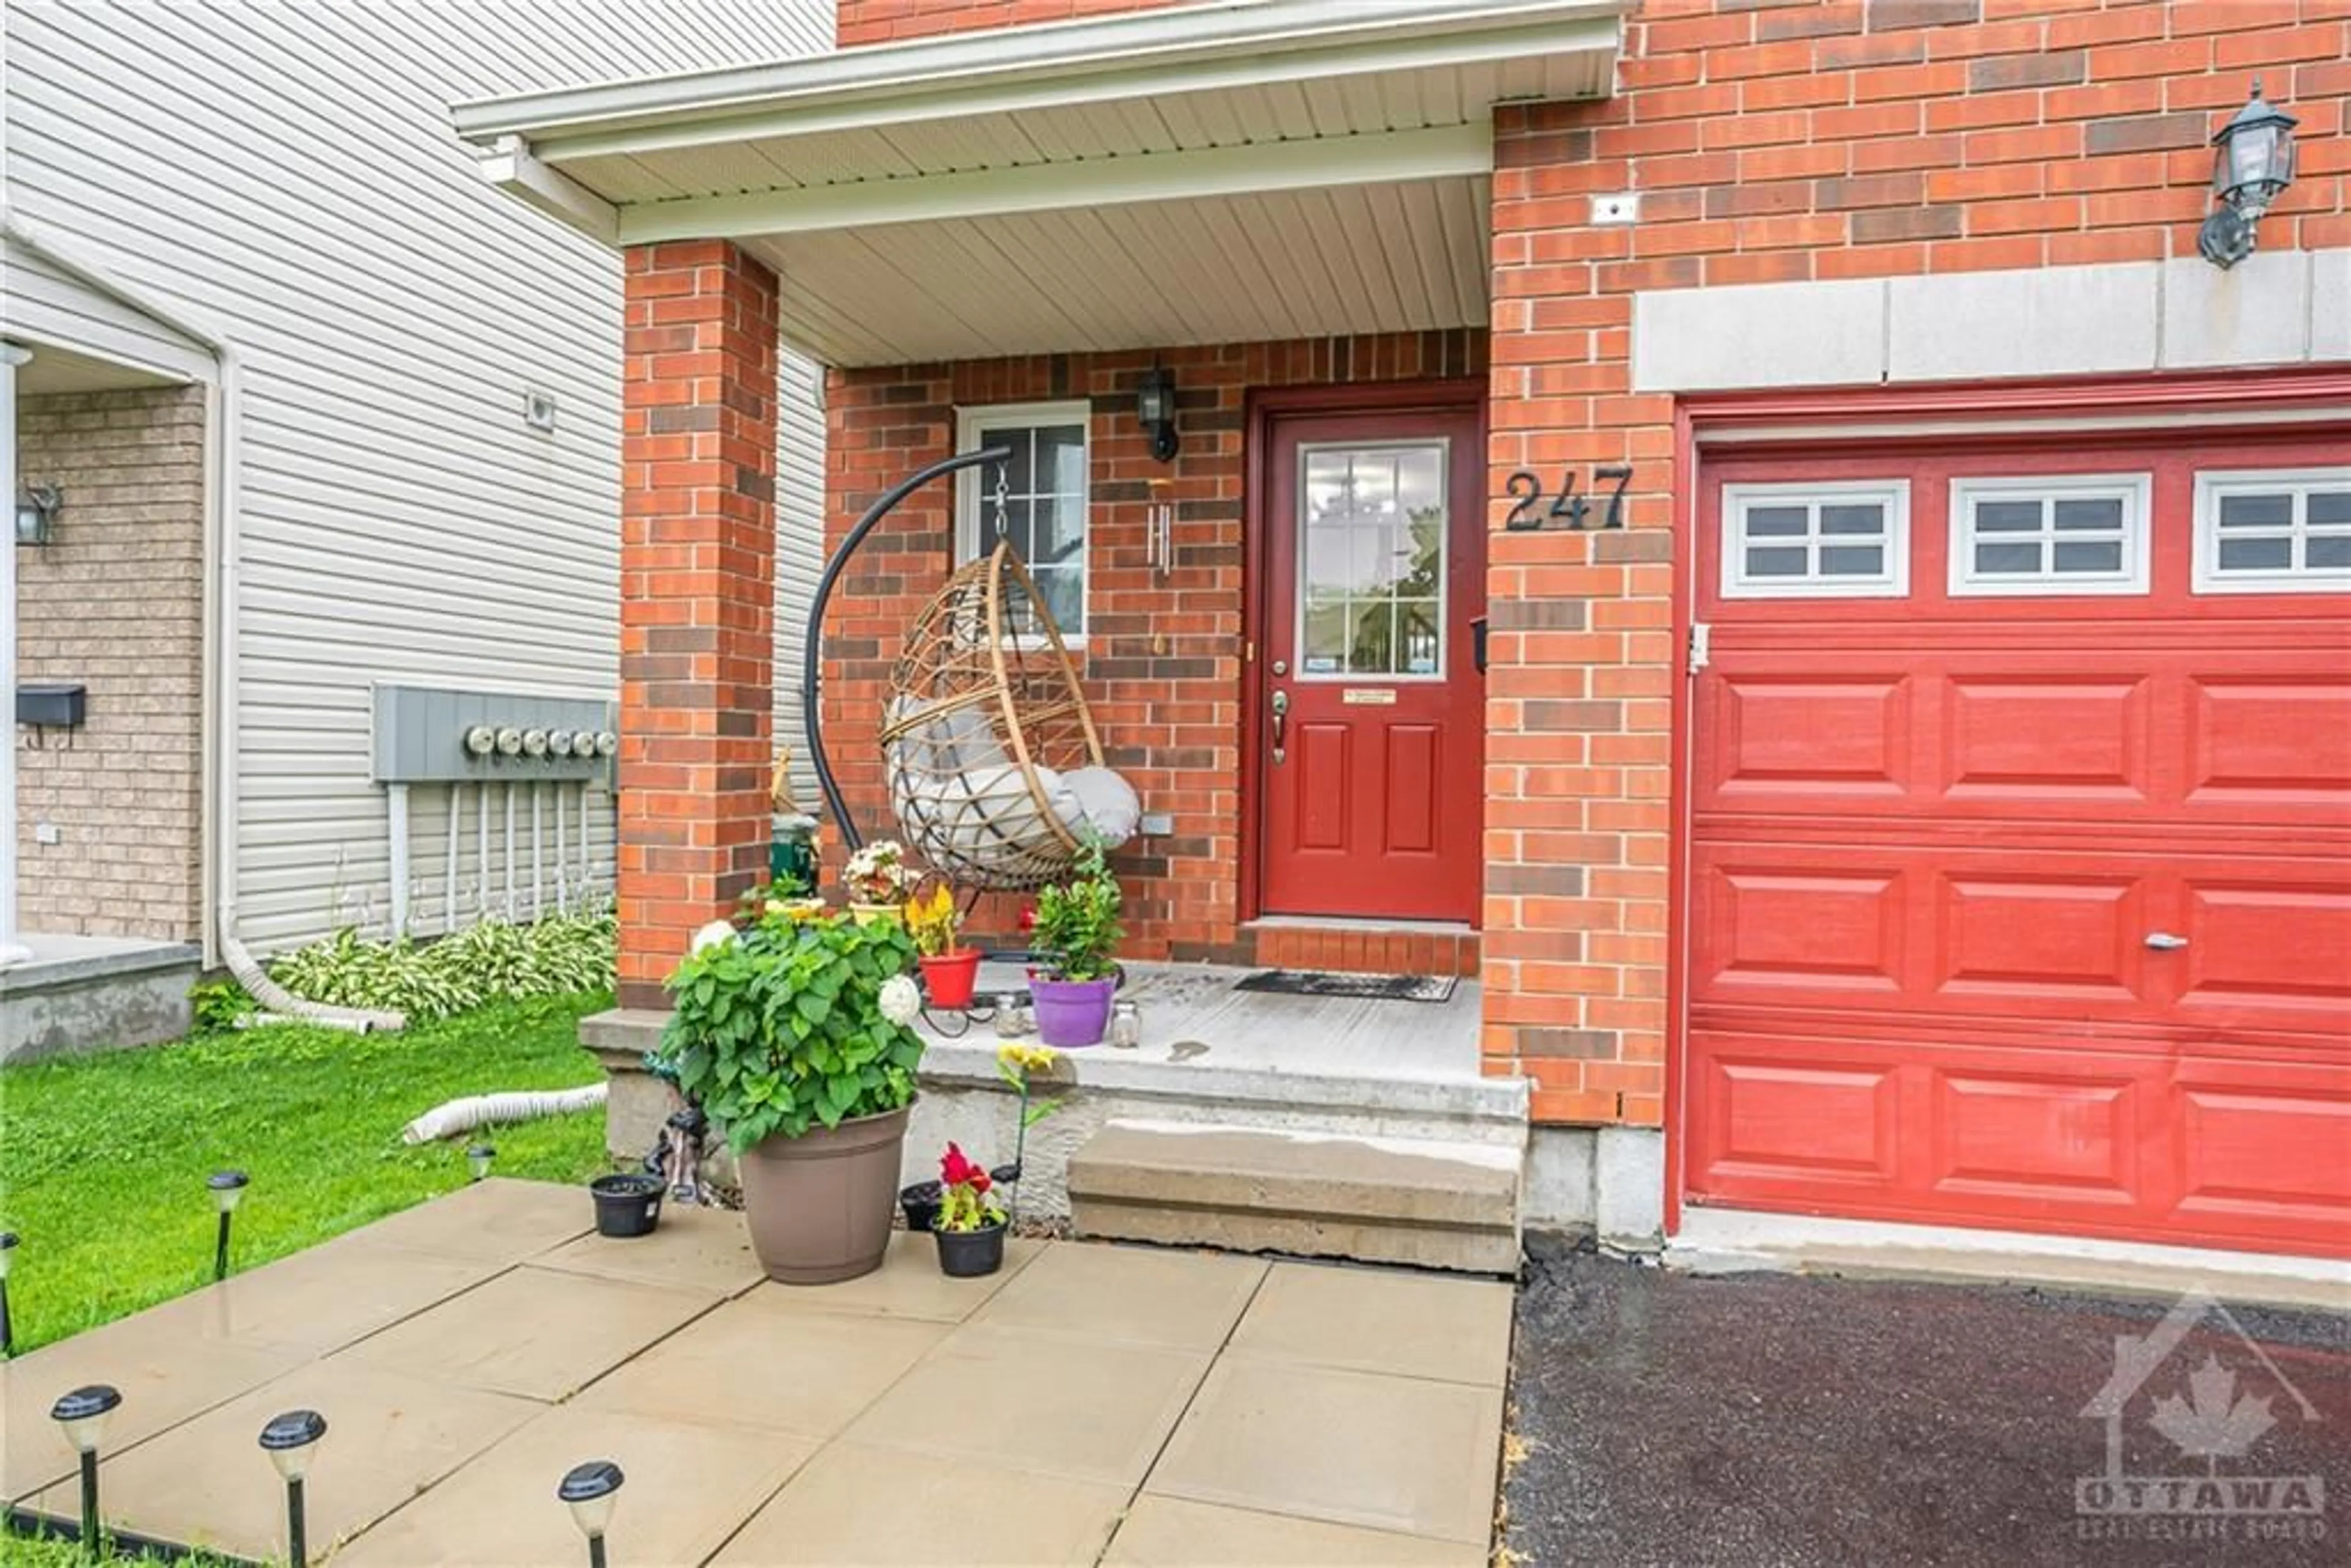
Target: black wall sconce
(37, 513)
(2251, 165)
(1154, 407)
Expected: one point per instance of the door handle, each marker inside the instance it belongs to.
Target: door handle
(2165, 942)
(1280, 707)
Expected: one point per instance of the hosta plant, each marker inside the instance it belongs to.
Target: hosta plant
(789, 1024)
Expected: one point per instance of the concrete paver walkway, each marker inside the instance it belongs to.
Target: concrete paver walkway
(1090, 1404)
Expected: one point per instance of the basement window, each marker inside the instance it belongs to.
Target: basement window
(1816, 541)
(1040, 504)
(2281, 531)
(2049, 534)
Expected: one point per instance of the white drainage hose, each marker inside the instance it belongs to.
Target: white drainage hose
(274, 998)
(483, 1110)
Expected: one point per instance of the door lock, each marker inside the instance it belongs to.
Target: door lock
(1280, 709)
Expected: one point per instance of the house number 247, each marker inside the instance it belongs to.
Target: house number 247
(1566, 509)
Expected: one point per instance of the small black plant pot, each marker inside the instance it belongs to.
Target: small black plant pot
(1005, 1175)
(969, 1254)
(626, 1204)
(921, 1202)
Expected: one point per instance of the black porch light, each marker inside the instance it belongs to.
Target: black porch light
(227, 1189)
(1154, 408)
(83, 1414)
(2252, 163)
(7, 1256)
(589, 1491)
(37, 507)
(478, 1157)
(291, 1441)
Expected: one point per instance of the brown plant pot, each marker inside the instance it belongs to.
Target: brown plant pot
(819, 1206)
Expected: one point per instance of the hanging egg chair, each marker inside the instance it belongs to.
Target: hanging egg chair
(994, 767)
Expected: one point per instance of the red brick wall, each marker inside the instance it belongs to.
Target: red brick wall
(888, 21)
(1806, 139)
(1162, 666)
(697, 595)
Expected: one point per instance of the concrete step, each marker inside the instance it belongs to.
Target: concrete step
(1437, 1205)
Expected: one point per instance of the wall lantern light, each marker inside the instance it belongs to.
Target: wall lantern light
(1154, 408)
(2251, 165)
(37, 513)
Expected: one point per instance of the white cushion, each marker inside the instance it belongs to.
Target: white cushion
(1102, 803)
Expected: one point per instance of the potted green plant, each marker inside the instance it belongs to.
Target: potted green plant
(970, 1226)
(791, 1033)
(1077, 929)
(949, 970)
(876, 878)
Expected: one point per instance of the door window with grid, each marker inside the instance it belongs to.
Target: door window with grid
(1036, 499)
(2273, 531)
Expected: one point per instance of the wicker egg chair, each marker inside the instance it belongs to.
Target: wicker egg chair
(993, 763)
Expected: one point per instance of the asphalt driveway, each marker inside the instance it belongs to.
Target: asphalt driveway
(1768, 1419)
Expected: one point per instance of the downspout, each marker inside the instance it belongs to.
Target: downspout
(222, 444)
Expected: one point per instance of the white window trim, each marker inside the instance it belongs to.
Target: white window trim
(1894, 583)
(1443, 446)
(2213, 484)
(2135, 490)
(972, 426)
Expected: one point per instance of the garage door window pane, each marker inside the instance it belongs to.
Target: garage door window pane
(2054, 535)
(1832, 541)
(2074, 557)
(2285, 532)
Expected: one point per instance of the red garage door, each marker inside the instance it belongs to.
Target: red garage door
(2021, 840)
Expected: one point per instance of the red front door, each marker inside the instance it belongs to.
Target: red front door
(1371, 717)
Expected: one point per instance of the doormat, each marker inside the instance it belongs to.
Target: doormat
(1368, 987)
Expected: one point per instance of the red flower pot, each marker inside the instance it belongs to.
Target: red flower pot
(948, 978)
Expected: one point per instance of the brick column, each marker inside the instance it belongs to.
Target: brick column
(697, 595)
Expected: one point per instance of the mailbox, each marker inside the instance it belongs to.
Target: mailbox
(52, 704)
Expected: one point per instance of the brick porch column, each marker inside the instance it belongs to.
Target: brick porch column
(697, 595)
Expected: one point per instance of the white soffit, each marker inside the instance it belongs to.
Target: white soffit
(1208, 173)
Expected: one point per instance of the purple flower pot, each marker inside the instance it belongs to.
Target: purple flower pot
(1071, 1013)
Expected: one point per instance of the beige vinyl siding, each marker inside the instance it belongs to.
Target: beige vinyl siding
(41, 303)
(800, 549)
(290, 172)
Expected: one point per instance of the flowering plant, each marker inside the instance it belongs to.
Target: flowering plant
(964, 1202)
(793, 1022)
(933, 922)
(877, 873)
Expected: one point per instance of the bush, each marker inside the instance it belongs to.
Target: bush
(791, 1023)
(486, 961)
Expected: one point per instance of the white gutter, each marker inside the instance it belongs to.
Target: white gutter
(224, 430)
(12, 360)
(1125, 56)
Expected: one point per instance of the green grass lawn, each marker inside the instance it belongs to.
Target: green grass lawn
(103, 1158)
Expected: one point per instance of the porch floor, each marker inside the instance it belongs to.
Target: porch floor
(1192, 1015)
(1090, 1404)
